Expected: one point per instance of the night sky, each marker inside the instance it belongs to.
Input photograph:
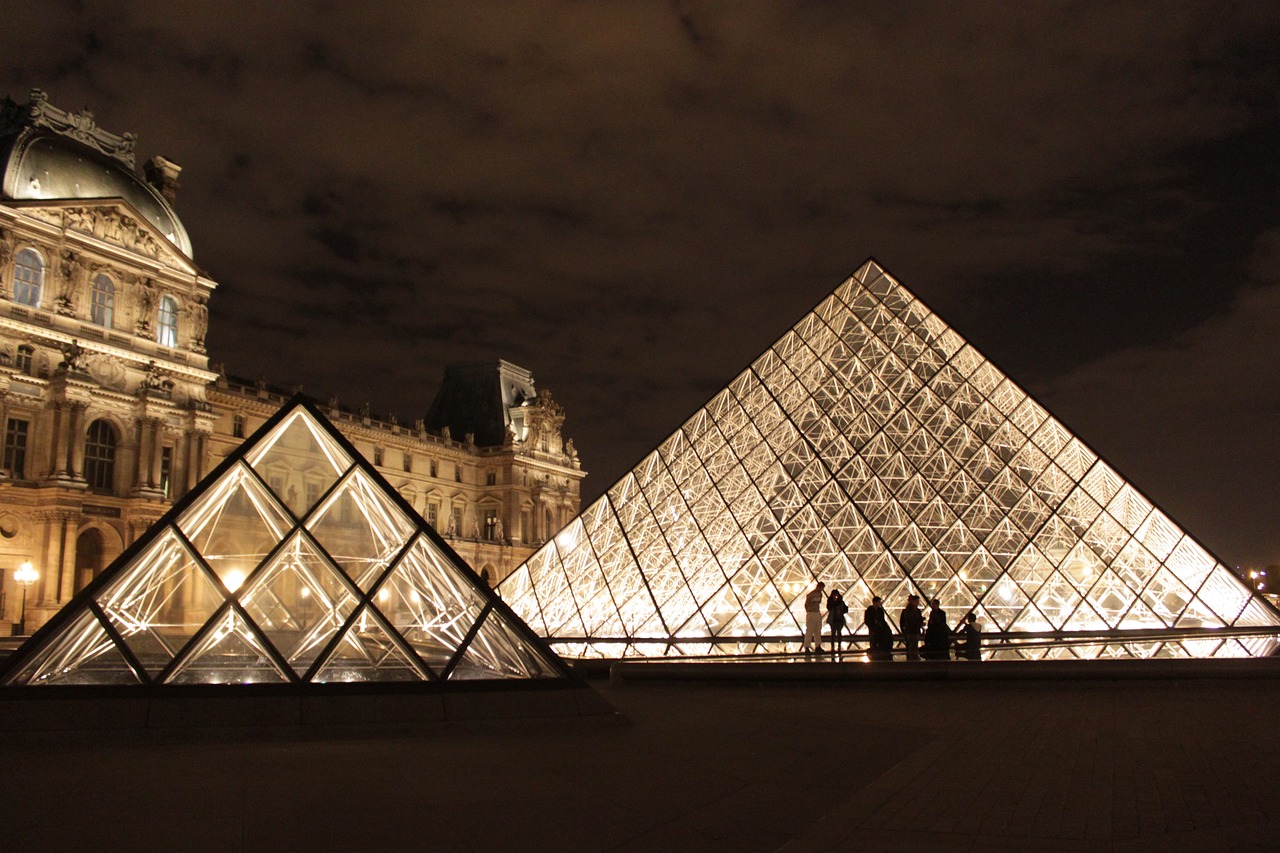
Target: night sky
(634, 199)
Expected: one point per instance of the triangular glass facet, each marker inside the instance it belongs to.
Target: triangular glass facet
(83, 653)
(159, 600)
(368, 651)
(299, 461)
(872, 447)
(361, 528)
(229, 652)
(234, 525)
(498, 651)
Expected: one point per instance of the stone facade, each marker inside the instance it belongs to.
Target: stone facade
(109, 410)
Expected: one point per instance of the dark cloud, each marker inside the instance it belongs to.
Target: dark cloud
(634, 199)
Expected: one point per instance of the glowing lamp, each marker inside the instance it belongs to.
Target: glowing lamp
(25, 575)
(233, 580)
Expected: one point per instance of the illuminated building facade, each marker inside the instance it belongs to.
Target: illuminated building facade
(110, 410)
(873, 448)
(248, 580)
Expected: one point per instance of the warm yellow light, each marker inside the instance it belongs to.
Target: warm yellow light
(383, 594)
(1254, 575)
(306, 592)
(25, 573)
(233, 579)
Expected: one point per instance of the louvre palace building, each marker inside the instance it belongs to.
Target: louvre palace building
(111, 410)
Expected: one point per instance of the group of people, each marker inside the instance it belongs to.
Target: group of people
(921, 639)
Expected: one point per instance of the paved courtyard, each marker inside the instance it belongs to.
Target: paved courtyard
(929, 766)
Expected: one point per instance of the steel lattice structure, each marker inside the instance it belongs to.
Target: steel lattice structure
(873, 448)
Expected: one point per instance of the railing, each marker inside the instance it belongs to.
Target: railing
(992, 641)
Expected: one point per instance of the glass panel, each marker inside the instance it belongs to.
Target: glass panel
(229, 652)
(299, 600)
(499, 651)
(361, 528)
(83, 653)
(430, 602)
(368, 652)
(160, 601)
(300, 450)
(234, 525)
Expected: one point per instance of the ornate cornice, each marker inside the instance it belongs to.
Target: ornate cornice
(38, 112)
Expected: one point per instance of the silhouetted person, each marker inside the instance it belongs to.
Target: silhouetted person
(970, 646)
(937, 634)
(836, 609)
(813, 619)
(881, 646)
(911, 623)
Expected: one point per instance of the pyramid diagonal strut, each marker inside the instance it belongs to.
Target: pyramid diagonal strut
(293, 562)
(873, 448)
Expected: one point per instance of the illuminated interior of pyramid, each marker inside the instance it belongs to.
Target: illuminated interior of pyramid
(873, 448)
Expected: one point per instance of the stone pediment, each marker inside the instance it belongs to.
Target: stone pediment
(114, 221)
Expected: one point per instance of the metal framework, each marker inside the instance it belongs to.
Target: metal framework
(294, 562)
(873, 448)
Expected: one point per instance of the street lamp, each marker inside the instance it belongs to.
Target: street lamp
(25, 575)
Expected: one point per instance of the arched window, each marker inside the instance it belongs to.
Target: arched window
(167, 322)
(100, 456)
(28, 277)
(102, 301)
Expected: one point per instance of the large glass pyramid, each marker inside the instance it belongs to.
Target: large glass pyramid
(873, 448)
(293, 562)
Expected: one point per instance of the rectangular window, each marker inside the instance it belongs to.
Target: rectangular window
(15, 447)
(490, 524)
(491, 479)
(408, 462)
(434, 472)
(313, 494)
(25, 359)
(457, 473)
(377, 456)
(433, 512)
(166, 470)
(524, 526)
(237, 426)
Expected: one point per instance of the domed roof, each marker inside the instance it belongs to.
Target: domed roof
(50, 154)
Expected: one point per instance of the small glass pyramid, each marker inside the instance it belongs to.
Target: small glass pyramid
(325, 576)
(873, 448)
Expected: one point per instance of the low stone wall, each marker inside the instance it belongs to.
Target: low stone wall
(46, 709)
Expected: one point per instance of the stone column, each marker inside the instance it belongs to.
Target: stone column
(143, 460)
(153, 469)
(75, 446)
(57, 456)
(67, 559)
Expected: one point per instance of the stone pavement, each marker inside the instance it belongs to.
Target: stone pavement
(1106, 765)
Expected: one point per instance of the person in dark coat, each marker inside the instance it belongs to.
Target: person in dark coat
(881, 645)
(836, 609)
(970, 647)
(911, 623)
(937, 634)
